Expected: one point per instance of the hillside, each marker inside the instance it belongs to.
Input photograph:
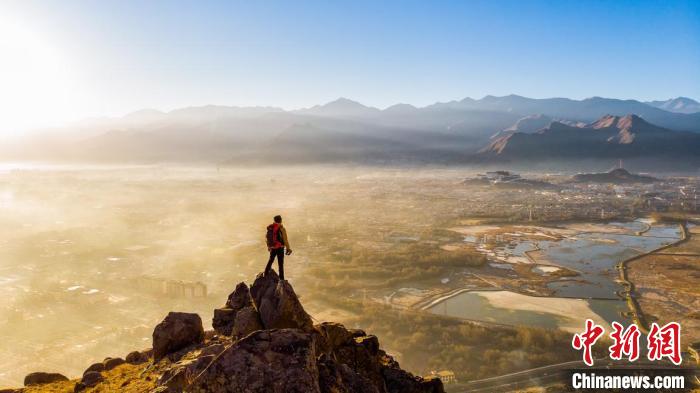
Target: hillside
(263, 341)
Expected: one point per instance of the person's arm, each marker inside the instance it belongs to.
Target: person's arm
(285, 239)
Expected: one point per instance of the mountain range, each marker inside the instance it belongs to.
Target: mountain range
(609, 137)
(464, 131)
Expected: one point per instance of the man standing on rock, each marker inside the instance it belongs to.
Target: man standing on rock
(276, 244)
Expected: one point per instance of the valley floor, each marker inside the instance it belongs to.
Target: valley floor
(666, 285)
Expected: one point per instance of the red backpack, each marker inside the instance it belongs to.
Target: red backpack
(274, 236)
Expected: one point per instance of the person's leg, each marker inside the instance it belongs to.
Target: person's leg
(269, 262)
(280, 262)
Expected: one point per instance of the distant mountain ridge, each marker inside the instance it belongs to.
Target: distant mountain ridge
(608, 137)
(341, 107)
(528, 125)
(677, 105)
(344, 130)
(585, 110)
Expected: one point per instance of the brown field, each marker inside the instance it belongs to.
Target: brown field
(667, 286)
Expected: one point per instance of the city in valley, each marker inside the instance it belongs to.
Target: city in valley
(462, 273)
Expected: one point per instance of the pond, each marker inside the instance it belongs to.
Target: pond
(592, 294)
(595, 257)
(510, 308)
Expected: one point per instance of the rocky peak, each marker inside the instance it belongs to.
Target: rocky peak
(271, 345)
(678, 105)
(342, 107)
(629, 121)
(624, 123)
(606, 121)
(240, 297)
(625, 129)
(278, 305)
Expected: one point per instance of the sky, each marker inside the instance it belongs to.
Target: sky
(67, 60)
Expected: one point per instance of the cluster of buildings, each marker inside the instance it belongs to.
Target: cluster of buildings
(172, 288)
(507, 179)
(446, 376)
(558, 200)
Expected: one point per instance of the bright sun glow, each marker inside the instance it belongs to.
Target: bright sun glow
(36, 87)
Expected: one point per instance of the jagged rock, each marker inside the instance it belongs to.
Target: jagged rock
(179, 377)
(240, 297)
(247, 321)
(174, 379)
(223, 320)
(111, 363)
(353, 360)
(363, 356)
(136, 357)
(177, 331)
(331, 335)
(180, 374)
(213, 349)
(99, 367)
(337, 377)
(269, 361)
(278, 305)
(40, 378)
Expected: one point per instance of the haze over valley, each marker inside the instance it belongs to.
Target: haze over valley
(430, 260)
(491, 130)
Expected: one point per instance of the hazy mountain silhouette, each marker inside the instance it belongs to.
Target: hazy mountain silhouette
(608, 137)
(348, 130)
(585, 110)
(342, 107)
(677, 105)
(527, 124)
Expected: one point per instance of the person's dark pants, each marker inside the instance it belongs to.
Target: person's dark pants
(279, 253)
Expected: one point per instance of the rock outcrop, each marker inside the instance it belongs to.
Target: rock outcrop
(111, 363)
(274, 361)
(238, 317)
(41, 378)
(263, 342)
(90, 379)
(278, 305)
(136, 357)
(177, 331)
